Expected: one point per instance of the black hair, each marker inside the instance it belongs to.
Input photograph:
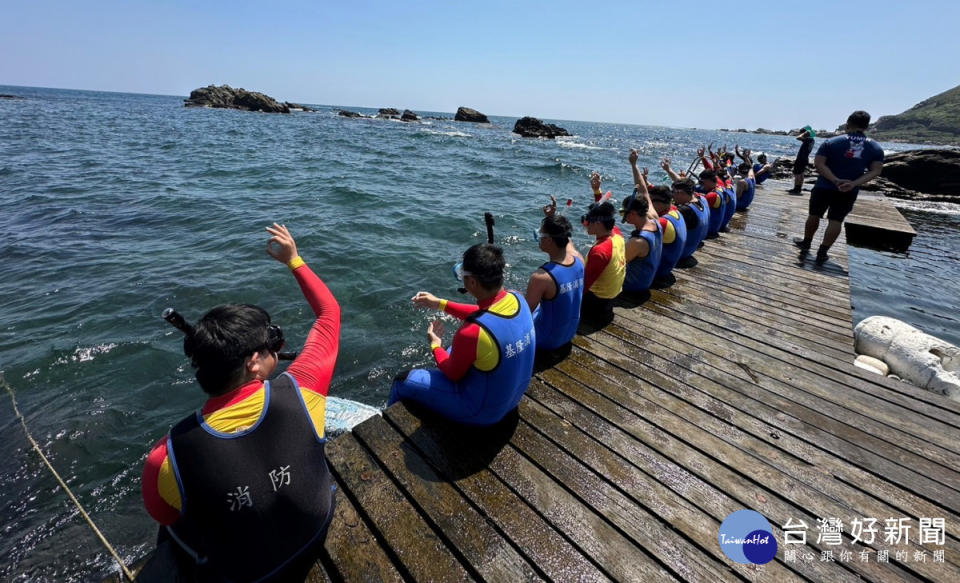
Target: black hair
(485, 262)
(744, 169)
(859, 119)
(728, 156)
(636, 203)
(721, 173)
(708, 175)
(661, 194)
(602, 213)
(762, 158)
(685, 185)
(559, 229)
(222, 340)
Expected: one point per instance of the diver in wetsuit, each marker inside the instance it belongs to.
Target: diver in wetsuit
(488, 368)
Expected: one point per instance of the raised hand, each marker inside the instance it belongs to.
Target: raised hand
(595, 181)
(426, 300)
(633, 157)
(281, 245)
(665, 163)
(550, 209)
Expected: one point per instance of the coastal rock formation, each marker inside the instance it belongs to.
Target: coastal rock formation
(926, 171)
(467, 114)
(932, 121)
(388, 113)
(409, 116)
(347, 113)
(227, 97)
(8, 96)
(531, 127)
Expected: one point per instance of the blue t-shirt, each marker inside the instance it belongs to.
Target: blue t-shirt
(848, 157)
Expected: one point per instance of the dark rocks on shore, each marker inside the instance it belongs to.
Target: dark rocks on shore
(227, 97)
(348, 113)
(531, 127)
(409, 116)
(931, 172)
(467, 114)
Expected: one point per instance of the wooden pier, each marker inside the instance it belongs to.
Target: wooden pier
(732, 389)
(875, 223)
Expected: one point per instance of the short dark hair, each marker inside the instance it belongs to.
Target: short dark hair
(559, 229)
(762, 158)
(602, 213)
(636, 203)
(485, 262)
(728, 156)
(859, 119)
(685, 185)
(222, 340)
(744, 168)
(708, 175)
(661, 194)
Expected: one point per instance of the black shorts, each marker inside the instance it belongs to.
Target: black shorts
(800, 164)
(836, 204)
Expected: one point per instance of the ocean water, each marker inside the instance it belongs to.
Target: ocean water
(116, 206)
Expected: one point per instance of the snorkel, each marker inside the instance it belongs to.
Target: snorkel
(274, 332)
(458, 267)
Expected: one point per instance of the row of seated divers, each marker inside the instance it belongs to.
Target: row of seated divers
(241, 488)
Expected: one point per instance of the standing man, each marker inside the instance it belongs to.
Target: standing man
(805, 136)
(845, 163)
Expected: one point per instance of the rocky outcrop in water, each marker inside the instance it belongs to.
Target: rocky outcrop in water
(347, 113)
(531, 127)
(297, 107)
(926, 171)
(388, 113)
(227, 97)
(8, 96)
(467, 114)
(409, 116)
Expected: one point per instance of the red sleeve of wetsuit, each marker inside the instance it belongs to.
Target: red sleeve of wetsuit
(313, 368)
(156, 506)
(597, 261)
(464, 350)
(711, 198)
(460, 311)
(707, 163)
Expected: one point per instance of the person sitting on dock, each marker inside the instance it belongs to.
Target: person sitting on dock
(643, 249)
(745, 184)
(695, 210)
(605, 266)
(674, 235)
(761, 168)
(555, 290)
(489, 366)
(716, 201)
(845, 163)
(241, 486)
(725, 182)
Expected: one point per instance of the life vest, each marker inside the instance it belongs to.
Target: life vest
(674, 241)
(717, 209)
(731, 205)
(610, 283)
(760, 178)
(556, 320)
(640, 271)
(695, 236)
(746, 197)
(499, 390)
(256, 499)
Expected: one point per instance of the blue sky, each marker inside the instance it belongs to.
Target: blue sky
(690, 64)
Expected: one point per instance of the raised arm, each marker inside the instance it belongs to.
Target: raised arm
(665, 164)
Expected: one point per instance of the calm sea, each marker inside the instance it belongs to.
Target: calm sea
(116, 206)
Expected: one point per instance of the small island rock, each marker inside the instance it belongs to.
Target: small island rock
(409, 116)
(227, 97)
(467, 114)
(531, 127)
(388, 113)
(347, 113)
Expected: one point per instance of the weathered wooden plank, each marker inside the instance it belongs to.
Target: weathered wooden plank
(679, 513)
(584, 408)
(617, 554)
(464, 464)
(474, 538)
(421, 552)
(685, 560)
(351, 552)
(821, 374)
(766, 419)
